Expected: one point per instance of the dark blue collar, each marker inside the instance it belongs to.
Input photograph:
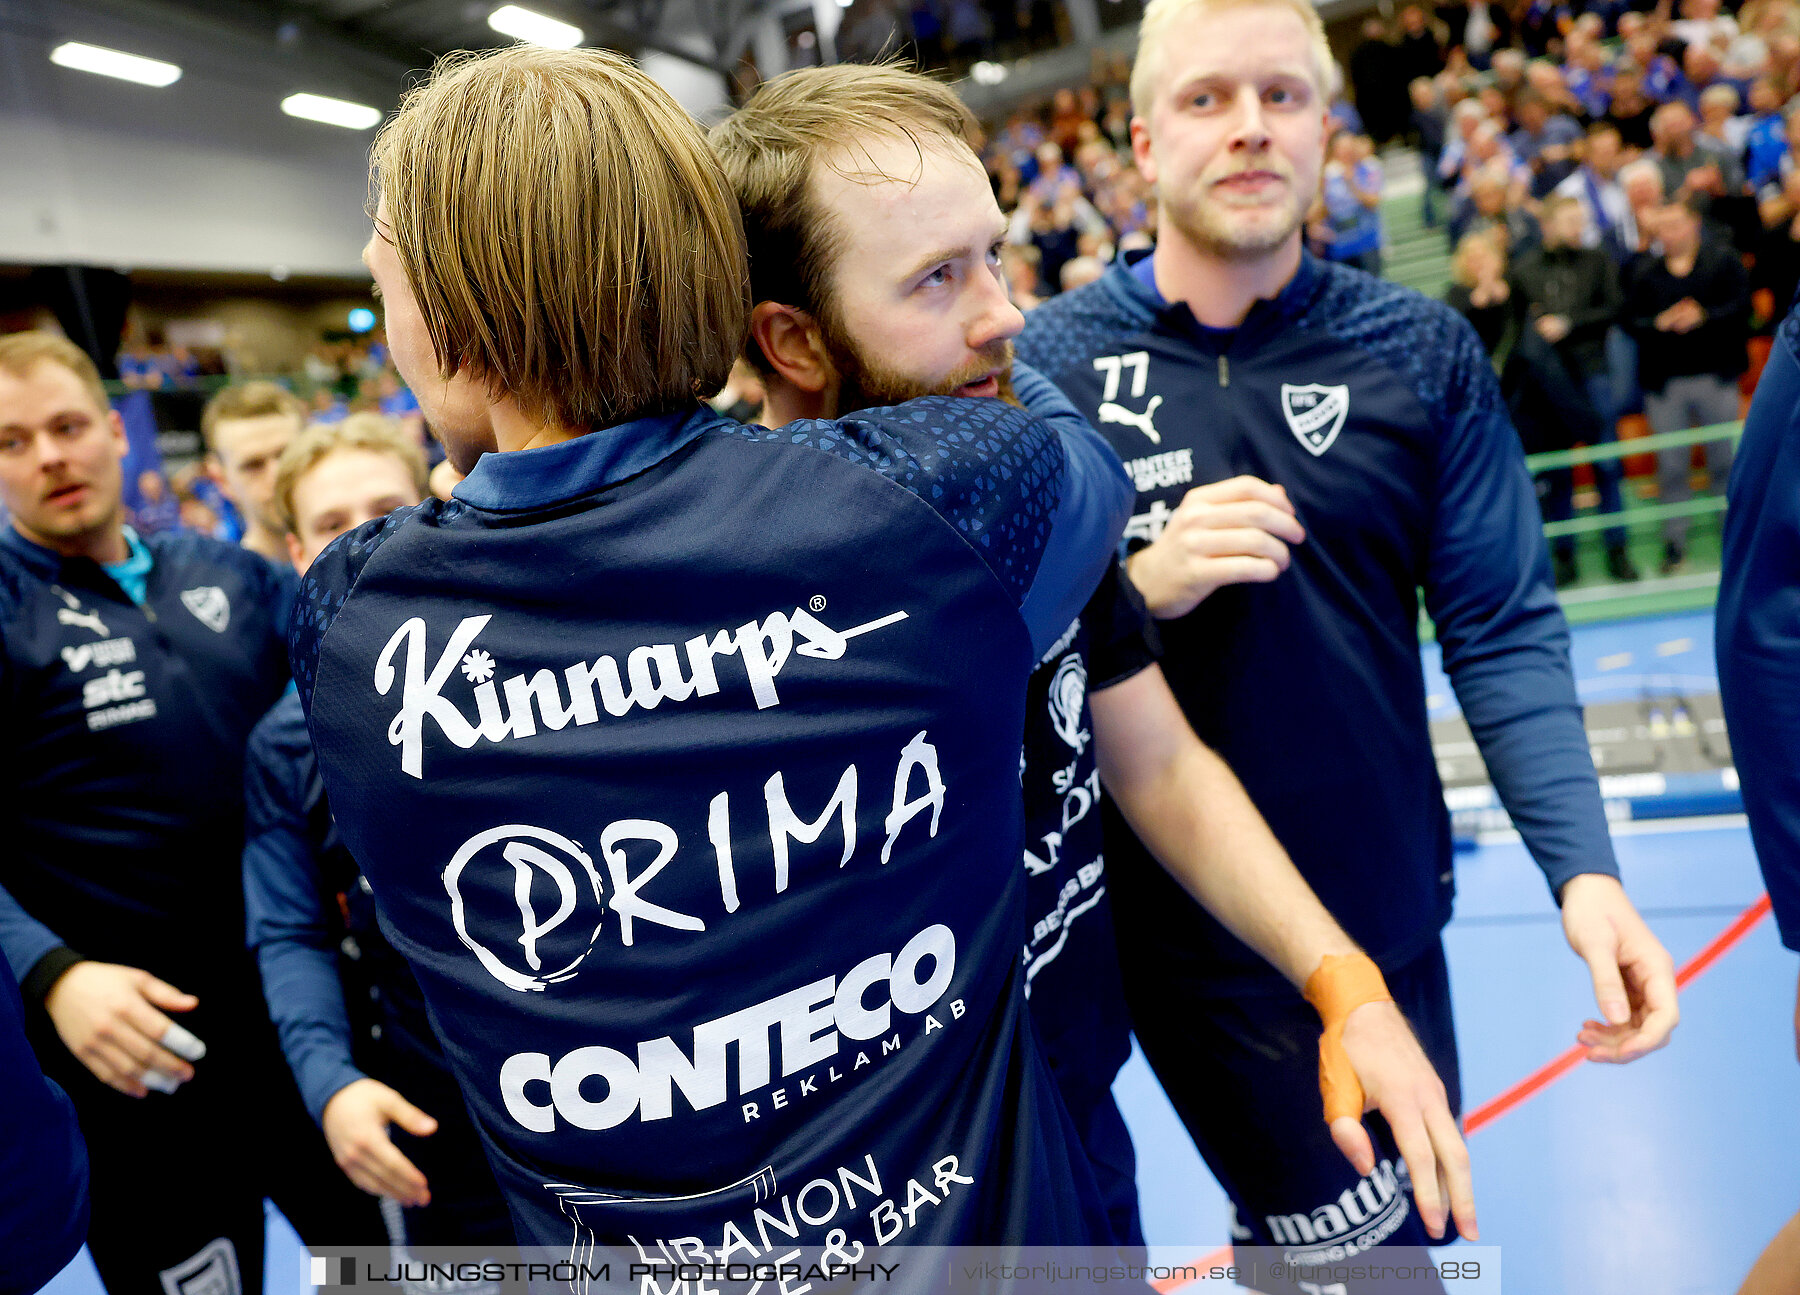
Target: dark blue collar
(40, 561)
(552, 474)
(1135, 277)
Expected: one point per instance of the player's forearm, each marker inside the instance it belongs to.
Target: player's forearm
(306, 1003)
(1196, 818)
(1527, 724)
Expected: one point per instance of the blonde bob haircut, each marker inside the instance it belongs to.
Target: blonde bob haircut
(20, 353)
(1153, 43)
(567, 233)
(373, 432)
(800, 124)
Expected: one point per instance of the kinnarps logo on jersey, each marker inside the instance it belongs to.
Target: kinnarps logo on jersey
(653, 674)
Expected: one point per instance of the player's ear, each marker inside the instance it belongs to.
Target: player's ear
(115, 426)
(793, 344)
(1140, 149)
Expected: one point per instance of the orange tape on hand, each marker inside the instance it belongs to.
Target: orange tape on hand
(1341, 984)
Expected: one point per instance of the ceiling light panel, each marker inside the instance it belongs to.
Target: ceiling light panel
(534, 28)
(114, 63)
(333, 112)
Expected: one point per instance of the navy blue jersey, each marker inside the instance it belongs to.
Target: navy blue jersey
(682, 758)
(43, 1161)
(1071, 962)
(1378, 411)
(125, 729)
(1758, 625)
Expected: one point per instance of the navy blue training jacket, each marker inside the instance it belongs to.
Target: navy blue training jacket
(1378, 411)
(683, 761)
(337, 991)
(43, 1161)
(1758, 624)
(125, 730)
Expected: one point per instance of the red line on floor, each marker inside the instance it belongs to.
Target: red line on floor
(1542, 1078)
(1728, 937)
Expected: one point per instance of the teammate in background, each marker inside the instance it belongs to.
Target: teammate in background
(1758, 623)
(803, 652)
(359, 1044)
(131, 672)
(908, 299)
(43, 1161)
(1283, 391)
(247, 425)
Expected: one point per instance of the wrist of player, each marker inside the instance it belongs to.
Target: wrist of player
(1337, 987)
(1165, 598)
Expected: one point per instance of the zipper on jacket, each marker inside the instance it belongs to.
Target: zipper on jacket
(1224, 372)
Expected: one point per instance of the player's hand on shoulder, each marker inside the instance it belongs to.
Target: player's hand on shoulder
(1224, 533)
(356, 1120)
(111, 1018)
(1634, 977)
(1399, 1080)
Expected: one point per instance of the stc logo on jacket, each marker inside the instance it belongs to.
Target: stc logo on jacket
(652, 674)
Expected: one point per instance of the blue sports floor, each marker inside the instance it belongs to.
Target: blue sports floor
(1665, 1177)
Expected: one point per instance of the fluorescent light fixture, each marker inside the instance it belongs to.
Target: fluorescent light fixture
(533, 28)
(333, 112)
(985, 73)
(112, 62)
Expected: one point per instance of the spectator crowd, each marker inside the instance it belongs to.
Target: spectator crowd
(1619, 182)
(1619, 188)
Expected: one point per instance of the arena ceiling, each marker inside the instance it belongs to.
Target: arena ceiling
(709, 33)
